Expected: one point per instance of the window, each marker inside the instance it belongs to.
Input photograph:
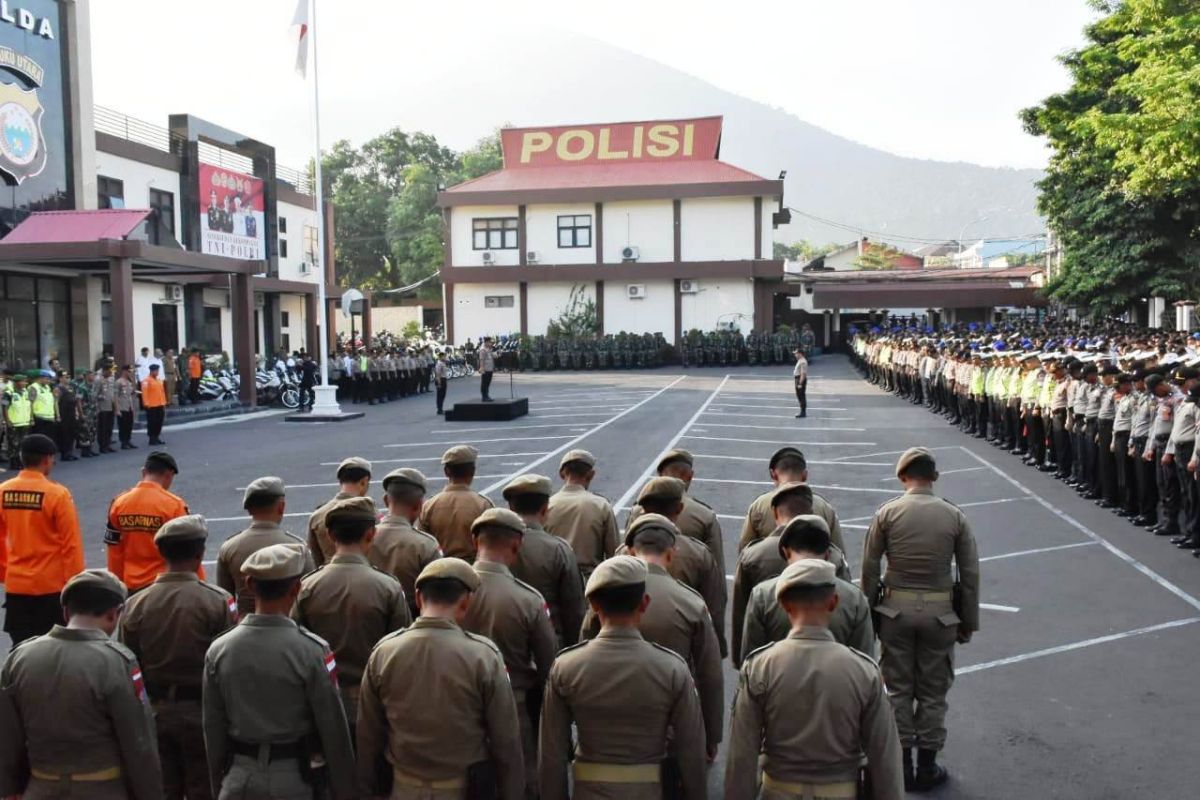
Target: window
(498, 301)
(283, 224)
(286, 341)
(498, 233)
(162, 204)
(575, 230)
(310, 244)
(112, 192)
(283, 319)
(283, 248)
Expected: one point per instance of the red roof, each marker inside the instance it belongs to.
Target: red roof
(43, 227)
(641, 173)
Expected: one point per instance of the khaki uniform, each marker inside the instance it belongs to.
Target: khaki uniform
(72, 702)
(448, 515)
(920, 533)
(760, 521)
(812, 708)
(351, 605)
(622, 693)
(766, 621)
(402, 551)
(586, 522)
(548, 564)
(320, 543)
(169, 626)
(517, 620)
(271, 699)
(678, 620)
(454, 682)
(239, 547)
(698, 521)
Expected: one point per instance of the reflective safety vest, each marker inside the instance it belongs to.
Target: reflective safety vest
(20, 410)
(44, 406)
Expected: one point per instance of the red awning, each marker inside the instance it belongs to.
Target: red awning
(45, 227)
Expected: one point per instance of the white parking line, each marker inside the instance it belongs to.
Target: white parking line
(960, 505)
(776, 442)
(610, 407)
(895, 452)
(994, 607)
(724, 413)
(776, 427)
(505, 428)
(1038, 550)
(476, 441)
(760, 459)
(731, 516)
(775, 408)
(432, 458)
(940, 473)
(290, 486)
(245, 518)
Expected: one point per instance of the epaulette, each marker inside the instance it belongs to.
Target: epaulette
(314, 570)
(681, 659)
(576, 646)
(889, 501)
(756, 651)
(527, 586)
(294, 536)
(948, 501)
(863, 655)
(699, 596)
(125, 652)
(212, 587)
(701, 502)
(312, 636)
(484, 640)
(383, 572)
(392, 635)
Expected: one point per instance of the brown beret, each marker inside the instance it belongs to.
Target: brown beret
(405, 475)
(911, 455)
(662, 489)
(795, 525)
(354, 462)
(261, 489)
(351, 509)
(807, 572)
(460, 454)
(616, 572)
(671, 456)
(784, 489)
(499, 518)
(276, 562)
(577, 455)
(529, 484)
(453, 568)
(182, 529)
(654, 527)
(95, 579)
(786, 450)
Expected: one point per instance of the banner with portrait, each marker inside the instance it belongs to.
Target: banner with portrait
(232, 219)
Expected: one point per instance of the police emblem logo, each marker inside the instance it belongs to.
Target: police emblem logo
(22, 146)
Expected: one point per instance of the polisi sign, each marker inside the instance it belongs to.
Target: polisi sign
(658, 140)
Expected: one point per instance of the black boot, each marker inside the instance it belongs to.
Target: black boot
(930, 774)
(910, 780)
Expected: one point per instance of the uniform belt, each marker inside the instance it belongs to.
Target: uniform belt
(110, 774)
(617, 773)
(812, 791)
(909, 594)
(275, 752)
(404, 779)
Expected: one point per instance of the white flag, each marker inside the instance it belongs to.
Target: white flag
(300, 33)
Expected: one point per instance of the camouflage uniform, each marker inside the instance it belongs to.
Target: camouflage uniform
(85, 426)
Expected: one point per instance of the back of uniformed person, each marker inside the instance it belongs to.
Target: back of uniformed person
(787, 465)
(624, 695)
(136, 515)
(926, 540)
(73, 708)
(808, 709)
(271, 702)
(447, 516)
(436, 710)
(517, 620)
(584, 519)
(546, 562)
(169, 627)
(354, 480)
(676, 618)
(398, 548)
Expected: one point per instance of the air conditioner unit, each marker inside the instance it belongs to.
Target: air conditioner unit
(305, 267)
(630, 253)
(491, 302)
(689, 287)
(489, 257)
(260, 300)
(637, 291)
(173, 293)
(531, 257)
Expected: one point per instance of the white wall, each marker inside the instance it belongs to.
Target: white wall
(296, 329)
(541, 230)
(139, 179)
(769, 206)
(548, 300)
(461, 236)
(473, 321)
(654, 314)
(391, 319)
(145, 296)
(716, 229)
(719, 300)
(298, 217)
(648, 225)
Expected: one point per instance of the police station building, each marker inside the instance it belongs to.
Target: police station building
(120, 234)
(642, 218)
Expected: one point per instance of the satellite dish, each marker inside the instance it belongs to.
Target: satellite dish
(349, 298)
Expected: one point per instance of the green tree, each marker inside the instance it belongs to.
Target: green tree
(578, 319)
(802, 251)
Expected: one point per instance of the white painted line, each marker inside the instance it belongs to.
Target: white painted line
(731, 516)
(773, 396)
(210, 423)
(290, 486)
(433, 458)
(475, 441)
(723, 413)
(572, 415)
(761, 460)
(776, 427)
(994, 607)
(1066, 648)
(579, 438)
(1038, 550)
(852, 488)
(792, 407)
(1118, 552)
(947, 472)
(609, 406)
(853, 525)
(895, 452)
(625, 498)
(503, 428)
(776, 441)
(732, 480)
(246, 519)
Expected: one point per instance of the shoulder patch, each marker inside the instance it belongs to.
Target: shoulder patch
(212, 587)
(863, 656)
(313, 637)
(889, 501)
(484, 640)
(575, 646)
(672, 653)
(756, 651)
(701, 502)
(528, 587)
(125, 652)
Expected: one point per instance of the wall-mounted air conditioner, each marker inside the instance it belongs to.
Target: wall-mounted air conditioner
(630, 253)
(688, 287)
(636, 291)
(489, 257)
(531, 257)
(173, 293)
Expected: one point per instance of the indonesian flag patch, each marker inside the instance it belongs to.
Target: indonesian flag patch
(546, 608)
(331, 668)
(139, 685)
(231, 604)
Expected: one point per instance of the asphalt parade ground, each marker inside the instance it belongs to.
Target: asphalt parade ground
(1082, 680)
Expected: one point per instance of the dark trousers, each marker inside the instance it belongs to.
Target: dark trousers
(29, 615)
(801, 390)
(1090, 477)
(154, 421)
(1168, 488)
(1189, 495)
(362, 388)
(1106, 465)
(1037, 437)
(193, 390)
(441, 394)
(306, 395)
(485, 385)
(1147, 483)
(125, 426)
(1078, 433)
(344, 392)
(104, 433)
(1126, 483)
(1063, 452)
(46, 427)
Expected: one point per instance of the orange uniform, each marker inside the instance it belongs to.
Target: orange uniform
(40, 543)
(133, 519)
(195, 368)
(154, 393)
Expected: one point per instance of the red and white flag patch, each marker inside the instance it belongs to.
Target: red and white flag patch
(546, 608)
(231, 604)
(331, 668)
(139, 684)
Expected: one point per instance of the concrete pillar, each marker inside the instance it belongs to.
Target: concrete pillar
(242, 303)
(311, 329)
(599, 298)
(120, 283)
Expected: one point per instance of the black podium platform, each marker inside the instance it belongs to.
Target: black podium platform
(488, 412)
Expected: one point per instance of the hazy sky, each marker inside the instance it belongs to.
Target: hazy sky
(940, 79)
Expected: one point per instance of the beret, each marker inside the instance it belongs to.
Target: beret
(460, 454)
(529, 484)
(500, 518)
(20, 376)
(807, 572)
(263, 488)
(662, 489)
(799, 523)
(353, 462)
(159, 459)
(351, 509)
(182, 529)
(652, 524)
(452, 568)
(577, 455)
(276, 562)
(787, 450)
(616, 572)
(38, 444)
(405, 475)
(95, 579)
(911, 455)
(793, 487)
(672, 456)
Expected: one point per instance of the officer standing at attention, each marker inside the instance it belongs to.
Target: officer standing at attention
(583, 519)
(40, 543)
(439, 381)
(677, 619)
(926, 539)
(800, 378)
(620, 754)
(448, 515)
(134, 516)
(354, 480)
(807, 708)
(546, 562)
(516, 618)
(487, 365)
(349, 603)
(454, 683)
(270, 695)
(45, 404)
(74, 720)
(787, 465)
(264, 501)
(169, 627)
(126, 404)
(398, 548)
(18, 419)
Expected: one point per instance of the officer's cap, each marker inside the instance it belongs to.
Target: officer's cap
(351, 509)
(793, 487)
(616, 572)
(662, 489)
(1186, 374)
(499, 518)
(160, 460)
(460, 454)
(911, 456)
(528, 484)
(267, 487)
(353, 462)
(20, 377)
(582, 456)
(452, 568)
(798, 524)
(1125, 377)
(407, 476)
(654, 528)
(182, 529)
(275, 563)
(786, 451)
(1152, 380)
(95, 579)
(1111, 370)
(809, 573)
(38, 444)
(153, 367)
(671, 456)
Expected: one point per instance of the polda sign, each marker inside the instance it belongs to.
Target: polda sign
(657, 140)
